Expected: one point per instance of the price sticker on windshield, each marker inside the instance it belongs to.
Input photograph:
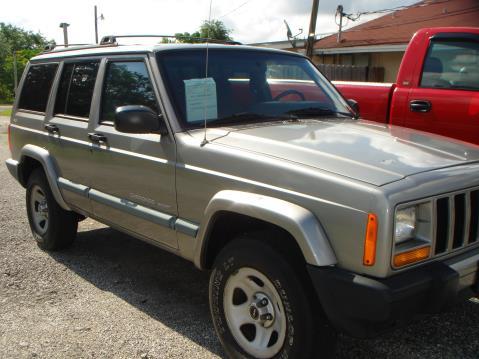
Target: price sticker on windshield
(201, 101)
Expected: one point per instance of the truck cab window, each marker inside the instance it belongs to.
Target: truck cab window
(36, 87)
(452, 64)
(126, 83)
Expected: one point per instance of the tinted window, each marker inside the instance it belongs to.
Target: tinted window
(126, 83)
(452, 64)
(36, 87)
(76, 89)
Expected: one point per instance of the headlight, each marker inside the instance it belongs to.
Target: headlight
(413, 233)
(405, 227)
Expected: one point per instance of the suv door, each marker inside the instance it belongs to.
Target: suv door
(132, 175)
(68, 127)
(447, 98)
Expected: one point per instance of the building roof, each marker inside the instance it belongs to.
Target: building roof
(398, 27)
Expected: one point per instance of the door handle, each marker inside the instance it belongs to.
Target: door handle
(420, 106)
(97, 137)
(50, 128)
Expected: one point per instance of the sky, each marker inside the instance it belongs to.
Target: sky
(249, 21)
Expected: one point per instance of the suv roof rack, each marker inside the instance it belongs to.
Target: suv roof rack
(69, 47)
(112, 39)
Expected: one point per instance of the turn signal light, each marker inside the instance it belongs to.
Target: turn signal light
(370, 241)
(413, 256)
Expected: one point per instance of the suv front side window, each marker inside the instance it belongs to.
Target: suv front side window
(75, 91)
(126, 83)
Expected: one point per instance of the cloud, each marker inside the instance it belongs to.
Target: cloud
(255, 21)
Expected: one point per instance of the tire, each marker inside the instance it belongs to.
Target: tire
(246, 272)
(52, 227)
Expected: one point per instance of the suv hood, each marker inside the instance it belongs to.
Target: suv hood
(362, 150)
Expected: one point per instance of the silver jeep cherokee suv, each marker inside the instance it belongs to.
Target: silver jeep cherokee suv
(251, 165)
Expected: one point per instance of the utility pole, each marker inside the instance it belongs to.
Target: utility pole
(64, 25)
(101, 17)
(96, 26)
(312, 29)
(340, 11)
(15, 78)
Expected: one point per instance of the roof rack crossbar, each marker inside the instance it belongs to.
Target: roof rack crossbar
(111, 39)
(72, 47)
(50, 47)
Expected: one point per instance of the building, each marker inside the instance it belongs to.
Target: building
(378, 45)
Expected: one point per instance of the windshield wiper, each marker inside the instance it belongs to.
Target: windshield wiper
(247, 117)
(318, 111)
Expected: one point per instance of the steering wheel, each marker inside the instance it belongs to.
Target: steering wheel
(289, 92)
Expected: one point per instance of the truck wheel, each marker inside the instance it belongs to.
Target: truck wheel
(261, 309)
(52, 227)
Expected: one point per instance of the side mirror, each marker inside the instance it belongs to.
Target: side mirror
(139, 119)
(355, 106)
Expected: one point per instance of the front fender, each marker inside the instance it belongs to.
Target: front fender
(296, 220)
(43, 156)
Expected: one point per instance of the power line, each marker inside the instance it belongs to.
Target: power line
(356, 16)
(232, 11)
(434, 17)
(417, 20)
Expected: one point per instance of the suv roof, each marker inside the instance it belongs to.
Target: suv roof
(91, 50)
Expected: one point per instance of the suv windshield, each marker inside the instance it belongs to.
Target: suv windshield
(246, 86)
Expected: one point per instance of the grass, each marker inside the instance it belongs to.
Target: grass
(6, 112)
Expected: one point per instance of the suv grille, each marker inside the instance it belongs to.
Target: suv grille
(457, 220)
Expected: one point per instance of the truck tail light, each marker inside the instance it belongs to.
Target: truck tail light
(412, 256)
(370, 240)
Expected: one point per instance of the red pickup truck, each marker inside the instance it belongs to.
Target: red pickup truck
(437, 87)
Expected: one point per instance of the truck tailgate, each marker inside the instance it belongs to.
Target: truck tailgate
(373, 98)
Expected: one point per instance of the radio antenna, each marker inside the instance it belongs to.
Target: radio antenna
(205, 141)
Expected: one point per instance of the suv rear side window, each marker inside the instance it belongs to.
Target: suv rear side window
(36, 87)
(76, 89)
(126, 83)
(452, 64)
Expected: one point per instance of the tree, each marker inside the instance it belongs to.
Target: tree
(214, 29)
(25, 44)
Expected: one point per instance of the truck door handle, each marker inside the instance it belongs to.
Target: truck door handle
(420, 106)
(50, 128)
(97, 137)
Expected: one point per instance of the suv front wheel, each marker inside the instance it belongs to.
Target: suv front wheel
(52, 227)
(260, 307)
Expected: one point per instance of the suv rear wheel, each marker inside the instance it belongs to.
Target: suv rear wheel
(260, 307)
(52, 227)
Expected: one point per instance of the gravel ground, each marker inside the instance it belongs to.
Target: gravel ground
(111, 296)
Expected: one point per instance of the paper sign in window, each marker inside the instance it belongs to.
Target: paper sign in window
(201, 100)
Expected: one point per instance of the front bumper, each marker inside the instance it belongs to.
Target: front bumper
(363, 306)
